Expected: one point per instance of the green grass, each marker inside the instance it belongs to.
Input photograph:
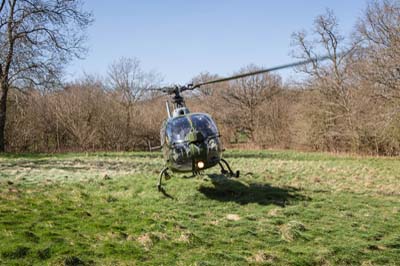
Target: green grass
(288, 208)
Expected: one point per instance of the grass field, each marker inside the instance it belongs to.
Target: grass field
(288, 208)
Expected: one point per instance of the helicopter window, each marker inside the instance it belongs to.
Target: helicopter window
(177, 129)
(204, 124)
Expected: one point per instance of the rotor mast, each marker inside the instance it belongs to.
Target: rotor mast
(177, 99)
(176, 90)
(179, 106)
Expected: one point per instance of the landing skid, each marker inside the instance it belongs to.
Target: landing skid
(229, 172)
(164, 173)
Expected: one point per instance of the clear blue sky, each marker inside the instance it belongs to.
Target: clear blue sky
(181, 38)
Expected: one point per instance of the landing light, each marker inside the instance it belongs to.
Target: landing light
(200, 164)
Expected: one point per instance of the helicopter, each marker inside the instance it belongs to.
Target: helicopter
(191, 142)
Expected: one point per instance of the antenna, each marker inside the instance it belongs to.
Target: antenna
(168, 111)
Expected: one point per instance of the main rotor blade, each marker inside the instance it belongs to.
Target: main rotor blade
(167, 89)
(304, 62)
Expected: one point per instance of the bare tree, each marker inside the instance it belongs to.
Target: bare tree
(379, 34)
(248, 94)
(78, 109)
(37, 38)
(130, 84)
(207, 90)
(335, 121)
(378, 70)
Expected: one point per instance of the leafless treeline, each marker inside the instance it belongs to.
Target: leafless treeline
(350, 103)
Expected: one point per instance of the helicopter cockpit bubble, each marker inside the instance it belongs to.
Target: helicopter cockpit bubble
(178, 128)
(190, 139)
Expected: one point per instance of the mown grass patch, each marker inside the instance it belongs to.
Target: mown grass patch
(287, 208)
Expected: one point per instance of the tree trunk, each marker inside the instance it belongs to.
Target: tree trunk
(3, 109)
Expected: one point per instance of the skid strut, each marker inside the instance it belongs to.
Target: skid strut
(165, 174)
(162, 173)
(230, 172)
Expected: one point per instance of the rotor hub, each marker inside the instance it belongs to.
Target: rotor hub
(180, 111)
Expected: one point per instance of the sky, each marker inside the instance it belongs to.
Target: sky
(180, 39)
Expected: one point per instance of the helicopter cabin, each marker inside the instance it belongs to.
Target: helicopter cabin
(190, 142)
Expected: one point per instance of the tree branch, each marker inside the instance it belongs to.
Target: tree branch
(2, 4)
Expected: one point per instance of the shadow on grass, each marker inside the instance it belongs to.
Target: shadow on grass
(232, 190)
(251, 155)
(288, 155)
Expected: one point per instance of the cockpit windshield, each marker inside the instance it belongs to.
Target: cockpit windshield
(204, 124)
(178, 128)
